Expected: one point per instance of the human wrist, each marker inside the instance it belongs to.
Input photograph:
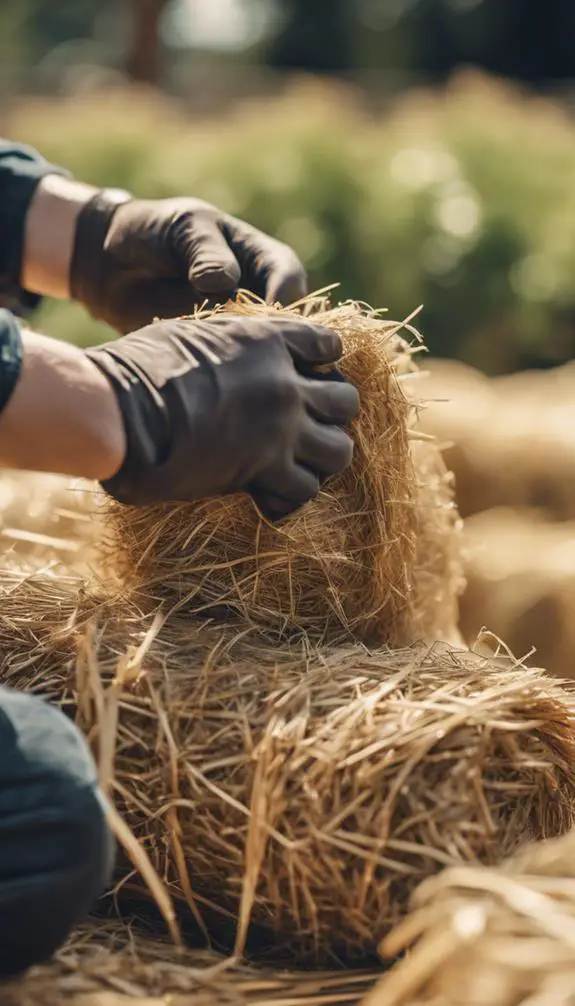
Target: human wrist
(105, 428)
(63, 415)
(49, 234)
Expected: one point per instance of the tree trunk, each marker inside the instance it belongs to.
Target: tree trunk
(144, 62)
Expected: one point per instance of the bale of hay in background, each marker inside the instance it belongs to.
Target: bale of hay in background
(374, 556)
(508, 441)
(305, 790)
(48, 518)
(113, 965)
(540, 385)
(489, 937)
(520, 573)
(437, 576)
(460, 408)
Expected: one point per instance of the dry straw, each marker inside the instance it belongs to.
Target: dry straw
(48, 516)
(304, 790)
(275, 771)
(281, 778)
(113, 965)
(520, 573)
(375, 556)
(508, 441)
(486, 937)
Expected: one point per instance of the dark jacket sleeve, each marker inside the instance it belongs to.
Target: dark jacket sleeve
(10, 355)
(21, 168)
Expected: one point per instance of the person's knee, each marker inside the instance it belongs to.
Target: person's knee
(56, 852)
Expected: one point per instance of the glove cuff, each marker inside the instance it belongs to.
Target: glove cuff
(146, 424)
(92, 226)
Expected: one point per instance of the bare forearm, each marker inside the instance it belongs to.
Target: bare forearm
(49, 235)
(62, 416)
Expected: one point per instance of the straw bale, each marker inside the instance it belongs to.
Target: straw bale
(305, 790)
(508, 441)
(110, 964)
(374, 556)
(438, 574)
(520, 573)
(489, 937)
(537, 385)
(461, 410)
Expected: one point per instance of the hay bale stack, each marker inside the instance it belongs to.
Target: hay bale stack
(520, 574)
(509, 441)
(115, 965)
(487, 937)
(537, 443)
(48, 517)
(305, 790)
(373, 556)
(437, 577)
(460, 412)
(555, 383)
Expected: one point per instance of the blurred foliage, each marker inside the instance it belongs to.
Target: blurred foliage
(463, 201)
(30, 30)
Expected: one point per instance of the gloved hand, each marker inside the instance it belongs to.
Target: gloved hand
(228, 405)
(142, 260)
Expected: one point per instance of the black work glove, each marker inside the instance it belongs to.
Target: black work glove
(142, 260)
(228, 405)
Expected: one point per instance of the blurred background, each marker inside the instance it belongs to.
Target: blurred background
(416, 152)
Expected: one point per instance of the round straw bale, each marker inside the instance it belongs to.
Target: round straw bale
(508, 441)
(438, 579)
(489, 937)
(112, 964)
(460, 407)
(307, 791)
(538, 385)
(373, 556)
(520, 573)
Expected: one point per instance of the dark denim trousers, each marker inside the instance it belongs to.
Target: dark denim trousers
(56, 853)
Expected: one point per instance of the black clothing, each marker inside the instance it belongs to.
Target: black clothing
(20, 171)
(56, 852)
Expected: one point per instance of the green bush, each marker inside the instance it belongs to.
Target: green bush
(462, 201)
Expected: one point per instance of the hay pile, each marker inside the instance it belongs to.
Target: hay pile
(508, 441)
(305, 790)
(520, 573)
(290, 786)
(375, 556)
(487, 937)
(48, 518)
(114, 965)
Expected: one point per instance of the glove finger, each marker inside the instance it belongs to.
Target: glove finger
(286, 285)
(270, 268)
(310, 345)
(326, 450)
(166, 298)
(280, 493)
(332, 401)
(211, 264)
(285, 277)
(333, 374)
